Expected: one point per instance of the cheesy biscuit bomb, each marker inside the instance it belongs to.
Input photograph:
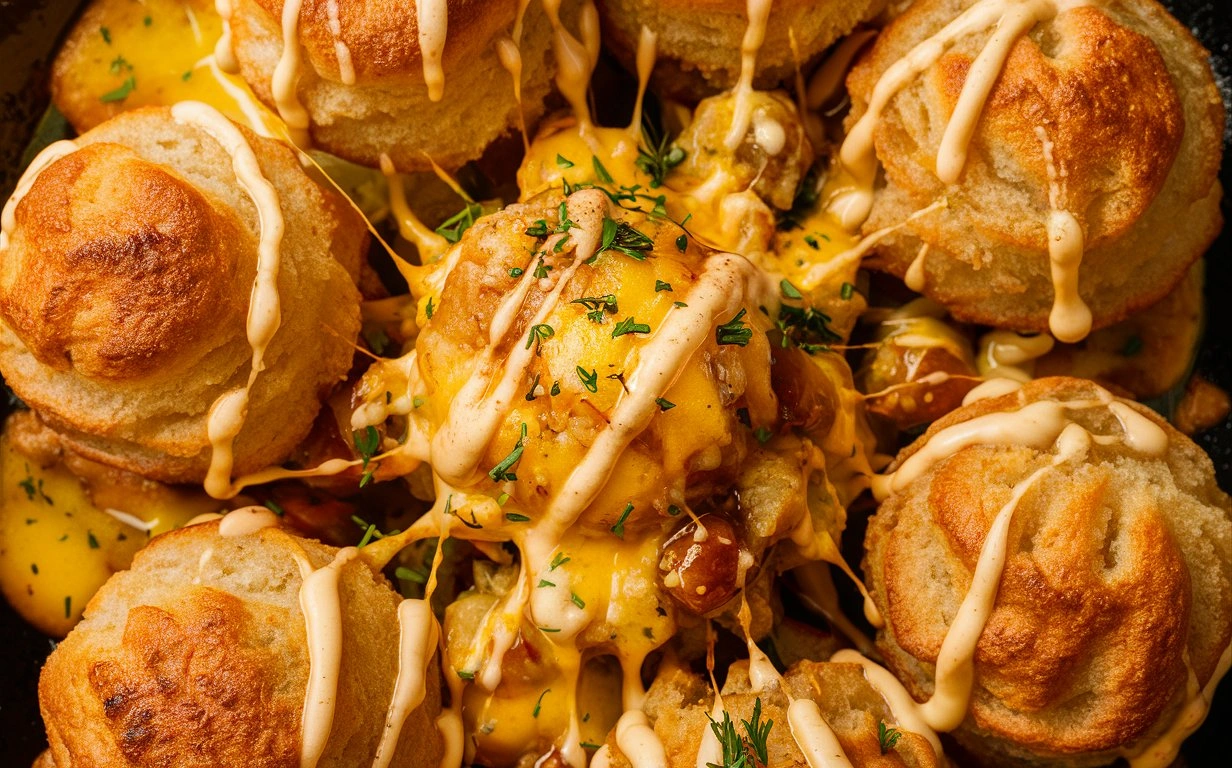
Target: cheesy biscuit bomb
(597, 389)
(1054, 566)
(233, 642)
(434, 80)
(177, 295)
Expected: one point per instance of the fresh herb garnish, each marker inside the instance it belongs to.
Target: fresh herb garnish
(579, 602)
(806, 327)
(597, 305)
(748, 751)
(623, 237)
(120, 94)
(664, 404)
(559, 560)
(662, 286)
(656, 155)
(515, 517)
(545, 583)
(539, 702)
(619, 527)
(538, 334)
(887, 738)
(453, 228)
(429, 310)
(629, 325)
(538, 229)
(367, 443)
(589, 380)
(734, 331)
(847, 291)
(500, 472)
(600, 172)
(411, 575)
(789, 291)
(563, 161)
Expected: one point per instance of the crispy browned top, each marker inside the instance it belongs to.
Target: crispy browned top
(1090, 80)
(110, 241)
(1110, 579)
(383, 36)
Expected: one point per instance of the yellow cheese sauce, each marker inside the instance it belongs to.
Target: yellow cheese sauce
(57, 547)
(158, 53)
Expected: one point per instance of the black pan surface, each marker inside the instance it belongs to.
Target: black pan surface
(29, 33)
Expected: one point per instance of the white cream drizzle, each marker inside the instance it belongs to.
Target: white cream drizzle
(638, 741)
(417, 639)
(647, 46)
(224, 49)
(750, 45)
(432, 16)
(1070, 318)
(916, 277)
(247, 521)
(320, 602)
(1042, 424)
(1013, 19)
(510, 57)
(286, 78)
(227, 414)
(1161, 752)
(1011, 355)
(574, 60)
(902, 706)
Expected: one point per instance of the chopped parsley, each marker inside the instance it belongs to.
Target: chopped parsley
(121, 93)
(600, 172)
(500, 472)
(559, 560)
(539, 701)
(597, 306)
(887, 738)
(619, 527)
(545, 583)
(623, 237)
(538, 229)
(789, 291)
(579, 602)
(662, 286)
(429, 310)
(847, 291)
(515, 517)
(563, 162)
(664, 404)
(456, 225)
(734, 331)
(589, 380)
(538, 334)
(367, 443)
(657, 156)
(629, 325)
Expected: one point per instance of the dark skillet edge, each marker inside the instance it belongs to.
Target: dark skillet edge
(30, 31)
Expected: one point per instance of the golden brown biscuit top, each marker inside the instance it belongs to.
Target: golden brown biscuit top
(117, 265)
(1105, 592)
(1090, 82)
(382, 36)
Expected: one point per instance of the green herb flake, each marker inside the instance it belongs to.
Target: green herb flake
(559, 560)
(629, 325)
(600, 172)
(734, 331)
(515, 517)
(274, 507)
(120, 94)
(500, 472)
(789, 291)
(456, 225)
(579, 602)
(847, 291)
(545, 583)
(887, 738)
(538, 334)
(429, 310)
(408, 574)
(619, 527)
(563, 162)
(91, 540)
(662, 286)
(664, 404)
(106, 34)
(589, 380)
